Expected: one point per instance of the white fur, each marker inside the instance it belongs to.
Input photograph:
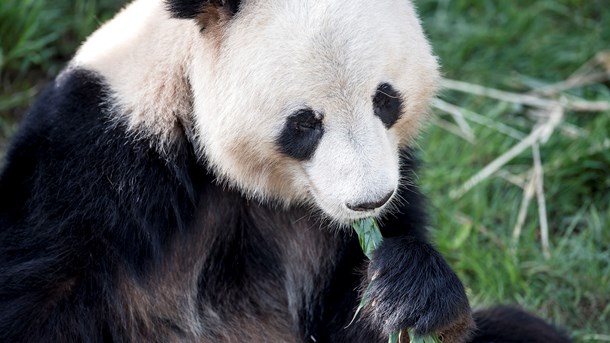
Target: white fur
(243, 77)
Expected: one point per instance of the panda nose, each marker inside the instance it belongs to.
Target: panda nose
(368, 206)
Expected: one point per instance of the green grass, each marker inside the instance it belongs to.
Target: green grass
(512, 45)
(37, 37)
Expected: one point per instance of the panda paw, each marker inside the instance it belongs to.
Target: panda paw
(411, 286)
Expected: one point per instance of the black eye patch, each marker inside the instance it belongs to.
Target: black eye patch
(387, 104)
(301, 134)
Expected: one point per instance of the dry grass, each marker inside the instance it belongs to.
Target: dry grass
(549, 104)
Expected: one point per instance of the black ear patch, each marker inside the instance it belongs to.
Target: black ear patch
(301, 134)
(387, 104)
(189, 9)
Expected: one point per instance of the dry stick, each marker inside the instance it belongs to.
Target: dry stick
(585, 75)
(498, 162)
(555, 116)
(587, 68)
(443, 124)
(516, 180)
(492, 124)
(529, 100)
(528, 194)
(573, 131)
(572, 82)
(544, 226)
(588, 106)
(524, 99)
(599, 60)
(483, 120)
(555, 110)
(457, 115)
(597, 337)
(542, 133)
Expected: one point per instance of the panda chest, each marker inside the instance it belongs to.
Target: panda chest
(260, 269)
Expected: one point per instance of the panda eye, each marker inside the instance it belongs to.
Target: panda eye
(304, 120)
(387, 104)
(301, 134)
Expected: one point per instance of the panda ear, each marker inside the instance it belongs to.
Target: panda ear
(190, 9)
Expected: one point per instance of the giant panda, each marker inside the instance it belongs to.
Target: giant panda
(192, 174)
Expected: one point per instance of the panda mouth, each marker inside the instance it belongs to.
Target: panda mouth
(346, 205)
(342, 212)
(370, 205)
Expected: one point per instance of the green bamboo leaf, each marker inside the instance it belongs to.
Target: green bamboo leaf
(394, 337)
(363, 301)
(369, 235)
(370, 238)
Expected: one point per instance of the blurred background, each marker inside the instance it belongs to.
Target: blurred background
(516, 160)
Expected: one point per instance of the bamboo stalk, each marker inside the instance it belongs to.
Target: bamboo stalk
(498, 163)
(544, 226)
(526, 99)
(456, 113)
(528, 194)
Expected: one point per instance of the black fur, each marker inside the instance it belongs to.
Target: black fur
(189, 9)
(506, 324)
(86, 206)
(427, 302)
(387, 104)
(79, 201)
(301, 134)
(424, 293)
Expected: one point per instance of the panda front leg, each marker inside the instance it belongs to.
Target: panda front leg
(412, 286)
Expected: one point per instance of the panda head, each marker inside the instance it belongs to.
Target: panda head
(309, 101)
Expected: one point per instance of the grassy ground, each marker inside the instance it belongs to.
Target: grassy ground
(518, 46)
(512, 45)
(36, 38)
